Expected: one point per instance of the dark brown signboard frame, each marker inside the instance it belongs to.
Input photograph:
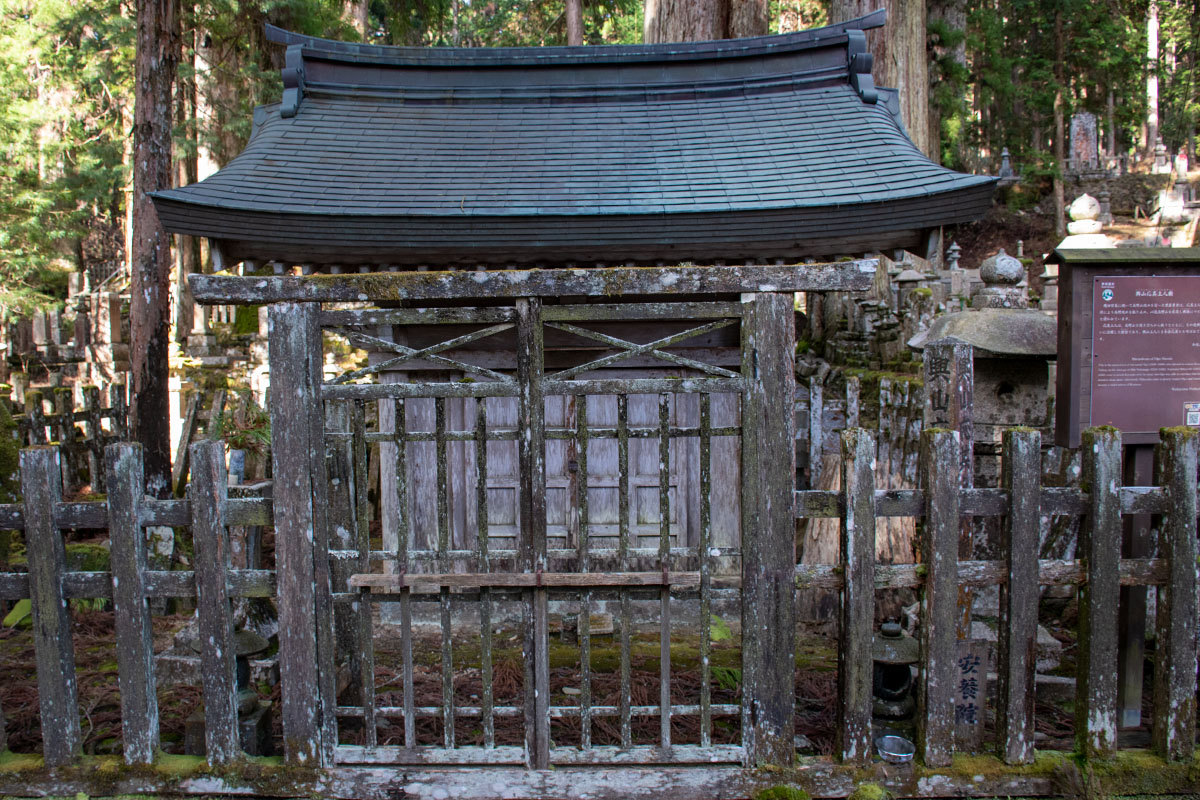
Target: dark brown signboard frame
(1078, 270)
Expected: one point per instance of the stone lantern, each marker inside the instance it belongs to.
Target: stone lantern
(1013, 347)
(894, 654)
(1001, 275)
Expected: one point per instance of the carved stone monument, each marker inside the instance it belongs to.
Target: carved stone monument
(1085, 143)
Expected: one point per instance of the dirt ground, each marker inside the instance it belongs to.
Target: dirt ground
(816, 689)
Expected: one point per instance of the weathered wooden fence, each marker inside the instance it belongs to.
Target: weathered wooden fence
(80, 431)
(1098, 572)
(551, 420)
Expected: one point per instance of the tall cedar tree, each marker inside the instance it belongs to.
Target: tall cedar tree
(155, 64)
(700, 20)
(900, 60)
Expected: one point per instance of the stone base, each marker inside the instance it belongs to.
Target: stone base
(254, 732)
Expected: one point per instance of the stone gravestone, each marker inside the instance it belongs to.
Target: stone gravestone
(1085, 142)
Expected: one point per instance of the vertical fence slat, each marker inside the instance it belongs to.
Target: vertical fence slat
(1174, 732)
(939, 597)
(487, 697)
(664, 556)
(119, 404)
(855, 670)
(624, 710)
(585, 599)
(207, 492)
(1100, 552)
(1021, 478)
(363, 658)
(95, 438)
(531, 453)
(64, 404)
(853, 389)
(769, 546)
(135, 655)
(41, 488)
(816, 417)
(705, 569)
(403, 543)
(37, 417)
(294, 396)
(445, 605)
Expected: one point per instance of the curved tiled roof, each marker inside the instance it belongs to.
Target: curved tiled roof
(754, 148)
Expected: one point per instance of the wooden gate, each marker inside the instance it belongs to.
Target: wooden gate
(520, 491)
(526, 486)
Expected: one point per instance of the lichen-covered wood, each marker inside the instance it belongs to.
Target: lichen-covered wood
(841, 276)
(1100, 551)
(295, 454)
(210, 536)
(135, 655)
(768, 537)
(1021, 478)
(940, 451)
(855, 667)
(1174, 729)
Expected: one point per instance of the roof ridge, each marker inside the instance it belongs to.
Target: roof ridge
(357, 52)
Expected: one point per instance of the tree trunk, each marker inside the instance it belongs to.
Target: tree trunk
(901, 60)
(187, 251)
(574, 22)
(954, 14)
(155, 65)
(703, 20)
(1060, 154)
(355, 11)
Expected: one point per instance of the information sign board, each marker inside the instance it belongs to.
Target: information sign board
(1145, 352)
(1128, 341)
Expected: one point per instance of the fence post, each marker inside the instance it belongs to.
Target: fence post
(95, 439)
(135, 651)
(949, 403)
(816, 418)
(64, 405)
(37, 417)
(207, 493)
(768, 541)
(531, 455)
(853, 390)
(1174, 731)
(1021, 479)
(298, 454)
(41, 488)
(1100, 551)
(855, 667)
(119, 403)
(940, 459)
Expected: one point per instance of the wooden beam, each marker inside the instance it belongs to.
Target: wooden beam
(298, 451)
(1174, 729)
(841, 276)
(768, 532)
(135, 655)
(41, 486)
(1100, 551)
(418, 582)
(855, 667)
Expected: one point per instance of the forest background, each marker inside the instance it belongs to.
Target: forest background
(1004, 73)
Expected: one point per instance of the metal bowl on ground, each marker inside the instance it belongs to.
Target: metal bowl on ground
(895, 749)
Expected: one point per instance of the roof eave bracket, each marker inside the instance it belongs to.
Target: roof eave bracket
(860, 63)
(293, 81)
